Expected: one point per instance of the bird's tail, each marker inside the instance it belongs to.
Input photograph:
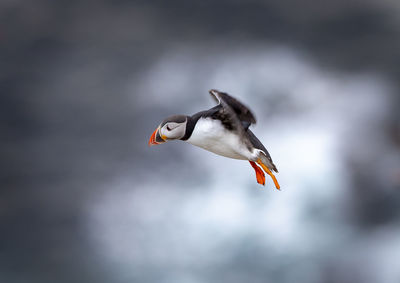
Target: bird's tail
(265, 161)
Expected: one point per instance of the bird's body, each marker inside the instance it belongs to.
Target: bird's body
(211, 135)
(223, 130)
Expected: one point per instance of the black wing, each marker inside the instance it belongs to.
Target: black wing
(243, 113)
(229, 117)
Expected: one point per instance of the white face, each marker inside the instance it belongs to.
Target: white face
(173, 130)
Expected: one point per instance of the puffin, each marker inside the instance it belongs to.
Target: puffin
(223, 130)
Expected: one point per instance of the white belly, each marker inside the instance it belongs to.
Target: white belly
(211, 135)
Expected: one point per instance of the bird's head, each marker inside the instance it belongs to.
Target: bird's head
(172, 128)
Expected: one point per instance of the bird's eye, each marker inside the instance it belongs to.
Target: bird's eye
(168, 128)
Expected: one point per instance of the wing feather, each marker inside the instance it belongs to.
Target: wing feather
(243, 113)
(229, 117)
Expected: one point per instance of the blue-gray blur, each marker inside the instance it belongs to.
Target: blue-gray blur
(85, 83)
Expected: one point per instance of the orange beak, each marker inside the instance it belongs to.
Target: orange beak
(152, 140)
(156, 136)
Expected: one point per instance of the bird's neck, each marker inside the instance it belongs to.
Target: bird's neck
(190, 124)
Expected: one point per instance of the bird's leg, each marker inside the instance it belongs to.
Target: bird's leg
(269, 173)
(259, 173)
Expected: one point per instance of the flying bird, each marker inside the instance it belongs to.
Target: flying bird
(223, 130)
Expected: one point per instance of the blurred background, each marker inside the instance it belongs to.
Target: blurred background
(84, 84)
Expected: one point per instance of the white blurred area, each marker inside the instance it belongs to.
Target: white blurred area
(311, 119)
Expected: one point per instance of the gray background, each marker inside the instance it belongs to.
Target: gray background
(85, 83)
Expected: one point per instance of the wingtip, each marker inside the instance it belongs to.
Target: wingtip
(215, 94)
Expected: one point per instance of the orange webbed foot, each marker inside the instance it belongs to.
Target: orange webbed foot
(278, 187)
(259, 173)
